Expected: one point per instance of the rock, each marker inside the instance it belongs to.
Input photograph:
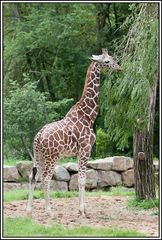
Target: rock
(101, 164)
(128, 178)
(24, 169)
(54, 186)
(108, 178)
(121, 163)
(25, 186)
(73, 184)
(11, 186)
(11, 174)
(91, 180)
(59, 186)
(61, 174)
(71, 167)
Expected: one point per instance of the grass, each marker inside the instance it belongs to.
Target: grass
(136, 203)
(116, 191)
(21, 194)
(26, 227)
(12, 162)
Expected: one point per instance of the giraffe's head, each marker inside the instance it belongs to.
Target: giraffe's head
(106, 61)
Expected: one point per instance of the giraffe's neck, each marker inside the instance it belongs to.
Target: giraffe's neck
(90, 96)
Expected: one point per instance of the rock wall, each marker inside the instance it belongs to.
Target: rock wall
(100, 174)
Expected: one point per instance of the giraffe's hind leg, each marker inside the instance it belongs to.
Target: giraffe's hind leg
(46, 180)
(83, 159)
(32, 183)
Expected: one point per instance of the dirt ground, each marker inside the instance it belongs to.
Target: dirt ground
(102, 211)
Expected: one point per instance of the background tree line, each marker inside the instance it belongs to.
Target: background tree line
(46, 56)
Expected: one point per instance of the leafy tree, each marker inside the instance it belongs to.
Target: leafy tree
(129, 97)
(26, 111)
(45, 42)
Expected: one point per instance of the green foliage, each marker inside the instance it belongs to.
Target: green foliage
(26, 227)
(136, 203)
(11, 161)
(26, 111)
(125, 107)
(105, 147)
(103, 144)
(45, 45)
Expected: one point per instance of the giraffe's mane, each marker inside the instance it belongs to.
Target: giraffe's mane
(86, 81)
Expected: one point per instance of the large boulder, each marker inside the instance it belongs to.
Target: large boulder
(54, 186)
(101, 164)
(121, 163)
(128, 178)
(71, 167)
(91, 180)
(11, 174)
(8, 186)
(108, 178)
(24, 169)
(73, 184)
(58, 186)
(61, 174)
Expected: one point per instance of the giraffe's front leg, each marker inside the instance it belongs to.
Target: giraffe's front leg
(84, 156)
(82, 182)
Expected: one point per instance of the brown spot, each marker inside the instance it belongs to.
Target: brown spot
(80, 126)
(55, 144)
(90, 85)
(51, 138)
(92, 76)
(50, 144)
(96, 88)
(45, 143)
(60, 148)
(74, 119)
(56, 136)
(47, 151)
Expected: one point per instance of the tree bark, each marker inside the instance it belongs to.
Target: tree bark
(143, 153)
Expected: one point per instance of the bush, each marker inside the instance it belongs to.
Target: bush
(103, 145)
(26, 111)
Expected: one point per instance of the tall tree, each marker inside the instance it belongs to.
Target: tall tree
(129, 98)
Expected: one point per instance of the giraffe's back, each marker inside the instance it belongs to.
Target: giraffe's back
(55, 139)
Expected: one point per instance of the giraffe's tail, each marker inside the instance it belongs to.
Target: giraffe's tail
(34, 172)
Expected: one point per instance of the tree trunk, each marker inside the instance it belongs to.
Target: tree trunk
(143, 154)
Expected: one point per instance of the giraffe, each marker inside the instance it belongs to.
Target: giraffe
(71, 136)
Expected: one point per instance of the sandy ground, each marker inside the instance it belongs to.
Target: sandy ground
(102, 211)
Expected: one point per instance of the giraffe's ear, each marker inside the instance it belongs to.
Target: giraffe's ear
(105, 51)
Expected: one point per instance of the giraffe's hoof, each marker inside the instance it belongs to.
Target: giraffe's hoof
(29, 213)
(82, 213)
(50, 214)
